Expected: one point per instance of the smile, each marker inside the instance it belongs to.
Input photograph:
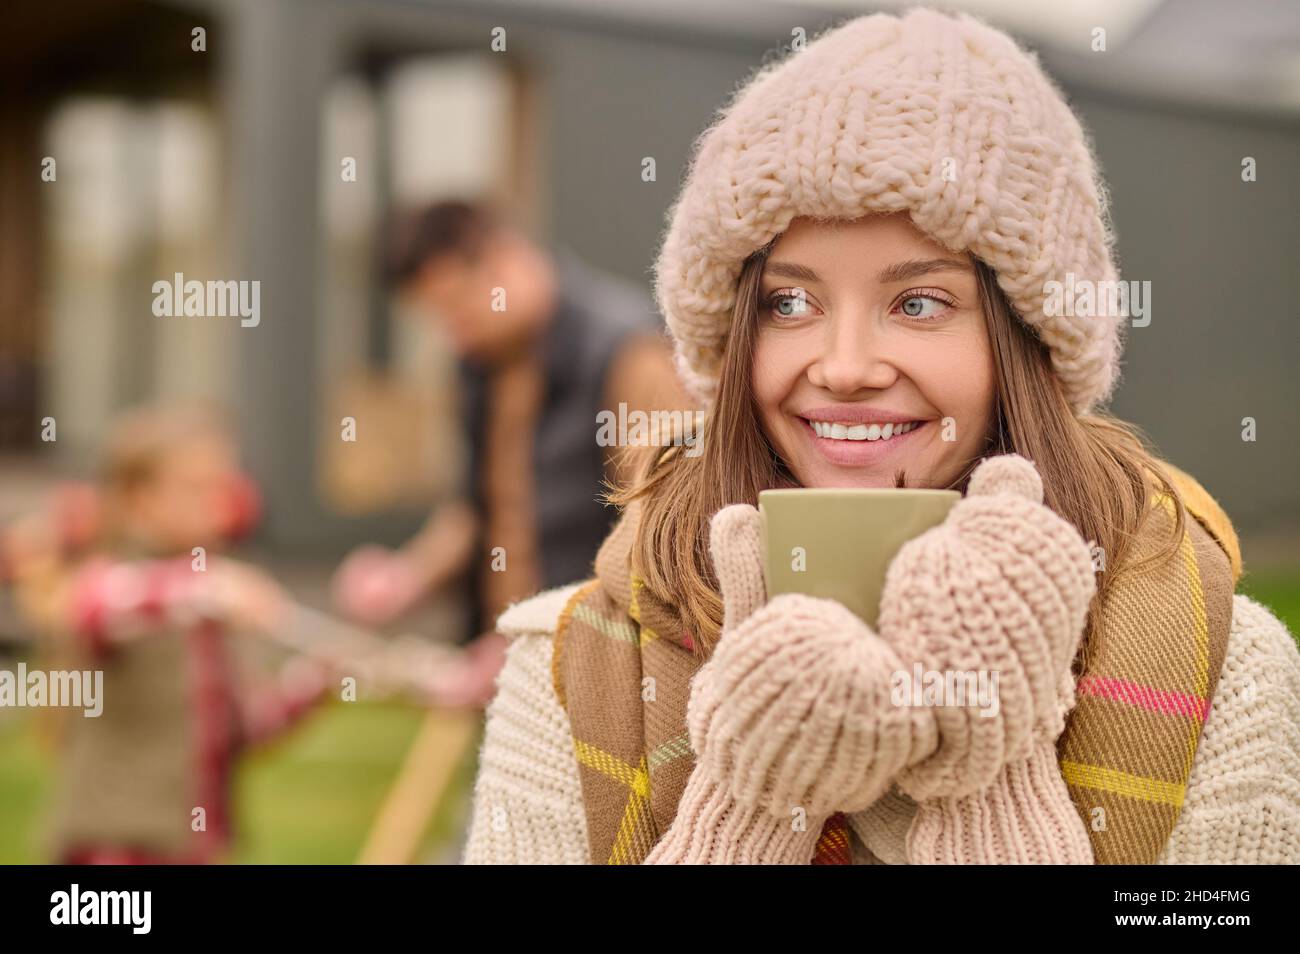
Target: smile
(838, 431)
(859, 443)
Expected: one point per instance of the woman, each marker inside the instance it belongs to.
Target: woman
(857, 276)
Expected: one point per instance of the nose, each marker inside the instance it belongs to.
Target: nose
(853, 357)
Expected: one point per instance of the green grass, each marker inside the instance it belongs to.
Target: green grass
(309, 798)
(24, 785)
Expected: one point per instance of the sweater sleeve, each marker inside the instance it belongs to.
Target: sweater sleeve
(1243, 796)
(528, 805)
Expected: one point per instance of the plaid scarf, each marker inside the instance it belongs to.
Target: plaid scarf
(1150, 671)
(623, 664)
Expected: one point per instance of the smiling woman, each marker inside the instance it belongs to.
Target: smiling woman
(854, 316)
(839, 347)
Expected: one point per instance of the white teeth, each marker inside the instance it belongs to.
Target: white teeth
(861, 432)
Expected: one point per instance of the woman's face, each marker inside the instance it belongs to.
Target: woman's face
(865, 327)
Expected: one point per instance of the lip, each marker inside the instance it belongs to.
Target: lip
(857, 414)
(861, 453)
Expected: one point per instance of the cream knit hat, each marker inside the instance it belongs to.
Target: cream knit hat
(939, 116)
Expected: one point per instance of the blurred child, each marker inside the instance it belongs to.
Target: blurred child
(148, 780)
(39, 550)
(36, 548)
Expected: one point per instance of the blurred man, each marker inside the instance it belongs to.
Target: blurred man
(545, 344)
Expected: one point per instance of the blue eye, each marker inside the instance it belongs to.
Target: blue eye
(785, 305)
(915, 306)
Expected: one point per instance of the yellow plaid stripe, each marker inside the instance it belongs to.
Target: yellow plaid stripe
(670, 751)
(635, 830)
(634, 610)
(612, 766)
(1122, 783)
(1201, 636)
(635, 836)
(578, 599)
(1211, 516)
(614, 629)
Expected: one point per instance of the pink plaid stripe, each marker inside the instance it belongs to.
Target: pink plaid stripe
(1159, 701)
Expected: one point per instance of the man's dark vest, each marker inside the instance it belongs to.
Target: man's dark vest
(595, 315)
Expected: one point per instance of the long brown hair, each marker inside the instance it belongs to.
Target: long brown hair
(1098, 471)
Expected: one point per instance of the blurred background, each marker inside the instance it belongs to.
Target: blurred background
(224, 162)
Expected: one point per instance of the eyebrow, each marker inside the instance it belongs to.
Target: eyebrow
(898, 272)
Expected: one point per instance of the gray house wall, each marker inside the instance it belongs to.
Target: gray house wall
(1221, 254)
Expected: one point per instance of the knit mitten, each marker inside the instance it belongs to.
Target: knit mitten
(790, 719)
(794, 717)
(999, 590)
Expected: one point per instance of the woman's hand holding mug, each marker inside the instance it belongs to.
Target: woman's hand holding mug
(796, 709)
(790, 718)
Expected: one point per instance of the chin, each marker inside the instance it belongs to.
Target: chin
(848, 479)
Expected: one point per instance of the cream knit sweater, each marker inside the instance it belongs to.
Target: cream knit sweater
(1242, 806)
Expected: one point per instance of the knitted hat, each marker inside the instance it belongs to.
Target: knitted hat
(939, 116)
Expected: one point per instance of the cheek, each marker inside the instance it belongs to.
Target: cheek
(778, 364)
(776, 369)
(959, 381)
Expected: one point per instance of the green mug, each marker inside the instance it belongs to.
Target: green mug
(838, 543)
